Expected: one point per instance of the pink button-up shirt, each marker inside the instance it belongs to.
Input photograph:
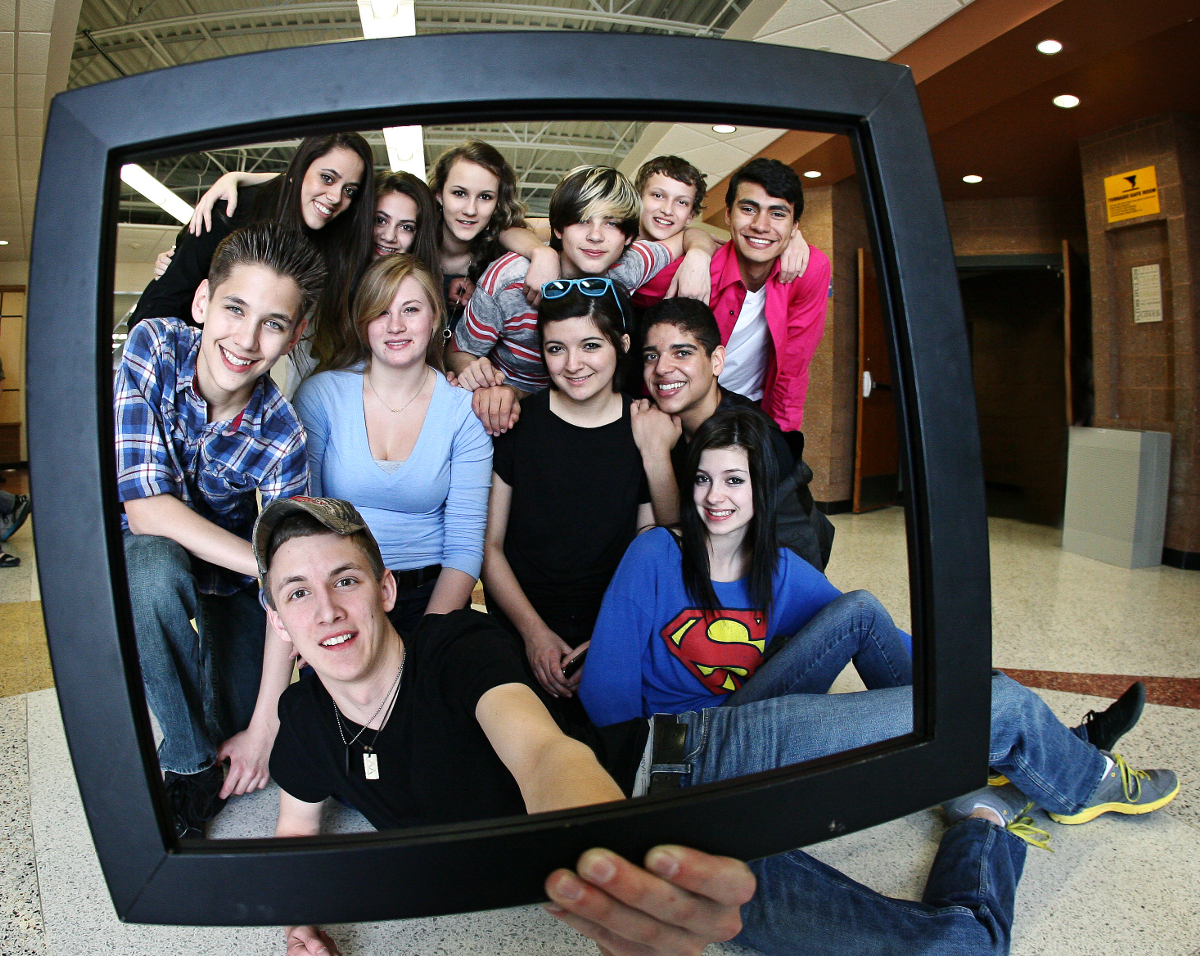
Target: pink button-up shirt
(795, 314)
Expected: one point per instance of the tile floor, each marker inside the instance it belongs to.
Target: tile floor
(1060, 621)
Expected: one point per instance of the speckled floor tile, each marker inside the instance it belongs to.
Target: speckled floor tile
(21, 931)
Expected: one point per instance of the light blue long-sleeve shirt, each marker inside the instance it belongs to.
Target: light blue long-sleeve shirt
(433, 508)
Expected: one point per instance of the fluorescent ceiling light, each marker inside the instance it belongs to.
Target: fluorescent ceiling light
(134, 176)
(1066, 101)
(3, 242)
(724, 128)
(396, 18)
(1049, 47)
(813, 174)
(972, 178)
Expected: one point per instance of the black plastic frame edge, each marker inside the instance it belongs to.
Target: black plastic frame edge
(92, 131)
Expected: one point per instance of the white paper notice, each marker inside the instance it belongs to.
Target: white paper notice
(1147, 294)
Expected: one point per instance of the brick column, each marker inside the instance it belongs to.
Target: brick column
(1146, 374)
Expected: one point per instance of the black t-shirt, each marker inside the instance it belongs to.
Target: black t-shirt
(171, 294)
(435, 763)
(575, 496)
(783, 455)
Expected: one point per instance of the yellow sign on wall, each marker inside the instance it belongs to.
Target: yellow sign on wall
(1129, 195)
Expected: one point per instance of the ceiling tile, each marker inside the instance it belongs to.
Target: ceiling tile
(754, 140)
(833, 33)
(797, 12)
(681, 138)
(33, 52)
(8, 14)
(896, 23)
(6, 52)
(36, 15)
(8, 149)
(852, 4)
(718, 159)
(7, 87)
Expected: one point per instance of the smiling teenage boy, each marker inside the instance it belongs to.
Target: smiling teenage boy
(442, 726)
(594, 214)
(201, 429)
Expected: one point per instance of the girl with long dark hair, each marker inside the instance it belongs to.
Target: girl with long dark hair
(720, 613)
(328, 193)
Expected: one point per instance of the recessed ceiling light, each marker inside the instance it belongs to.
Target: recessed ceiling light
(1066, 101)
(1049, 47)
(724, 128)
(812, 174)
(972, 179)
(3, 242)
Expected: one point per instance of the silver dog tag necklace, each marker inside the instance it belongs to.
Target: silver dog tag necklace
(370, 757)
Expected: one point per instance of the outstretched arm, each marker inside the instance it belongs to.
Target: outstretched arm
(553, 770)
(543, 261)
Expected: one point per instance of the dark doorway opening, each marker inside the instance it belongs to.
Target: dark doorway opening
(1016, 310)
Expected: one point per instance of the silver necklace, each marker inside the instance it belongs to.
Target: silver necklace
(370, 758)
(397, 411)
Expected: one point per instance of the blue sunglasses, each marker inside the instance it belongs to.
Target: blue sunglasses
(594, 286)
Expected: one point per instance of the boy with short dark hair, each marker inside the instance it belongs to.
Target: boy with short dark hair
(682, 359)
(201, 431)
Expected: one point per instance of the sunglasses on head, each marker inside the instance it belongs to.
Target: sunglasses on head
(594, 286)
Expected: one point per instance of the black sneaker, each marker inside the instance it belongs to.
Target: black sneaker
(1104, 729)
(11, 523)
(194, 799)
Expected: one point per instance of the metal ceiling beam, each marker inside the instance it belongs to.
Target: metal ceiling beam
(306, 16)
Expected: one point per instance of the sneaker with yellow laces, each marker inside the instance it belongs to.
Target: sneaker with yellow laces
(1006, 802)
(1125, 790)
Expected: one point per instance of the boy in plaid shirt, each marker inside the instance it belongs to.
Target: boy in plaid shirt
(201, 428)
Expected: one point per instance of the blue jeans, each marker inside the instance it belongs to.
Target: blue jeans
(201, 683)
(803, 906)
(853, 627)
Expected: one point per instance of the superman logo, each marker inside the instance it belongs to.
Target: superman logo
(720, 648)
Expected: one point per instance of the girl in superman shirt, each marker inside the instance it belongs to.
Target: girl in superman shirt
(719, 613)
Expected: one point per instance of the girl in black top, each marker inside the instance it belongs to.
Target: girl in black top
(568, 490)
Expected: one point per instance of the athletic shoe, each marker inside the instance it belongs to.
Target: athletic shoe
(1126, 790)
(194, 799)
(11, 522)
(1104, 729)
(1008, 803)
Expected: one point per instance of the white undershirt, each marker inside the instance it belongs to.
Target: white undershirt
(749, 343)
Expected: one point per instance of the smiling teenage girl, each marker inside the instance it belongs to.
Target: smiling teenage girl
(328, 193)
(687, 623)
(401, 444)
(568, 490)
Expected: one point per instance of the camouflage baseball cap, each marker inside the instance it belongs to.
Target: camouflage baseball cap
(337, 515)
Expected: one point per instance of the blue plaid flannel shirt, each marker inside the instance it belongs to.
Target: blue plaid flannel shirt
(165, 444)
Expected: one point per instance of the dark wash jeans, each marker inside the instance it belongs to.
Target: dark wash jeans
(201, 682)
(804, 907)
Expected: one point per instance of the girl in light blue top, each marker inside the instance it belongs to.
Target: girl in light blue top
(392, 437)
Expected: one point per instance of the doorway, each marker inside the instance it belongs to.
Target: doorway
(1018, 329)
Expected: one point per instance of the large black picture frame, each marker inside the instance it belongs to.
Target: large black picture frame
(453, 79)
